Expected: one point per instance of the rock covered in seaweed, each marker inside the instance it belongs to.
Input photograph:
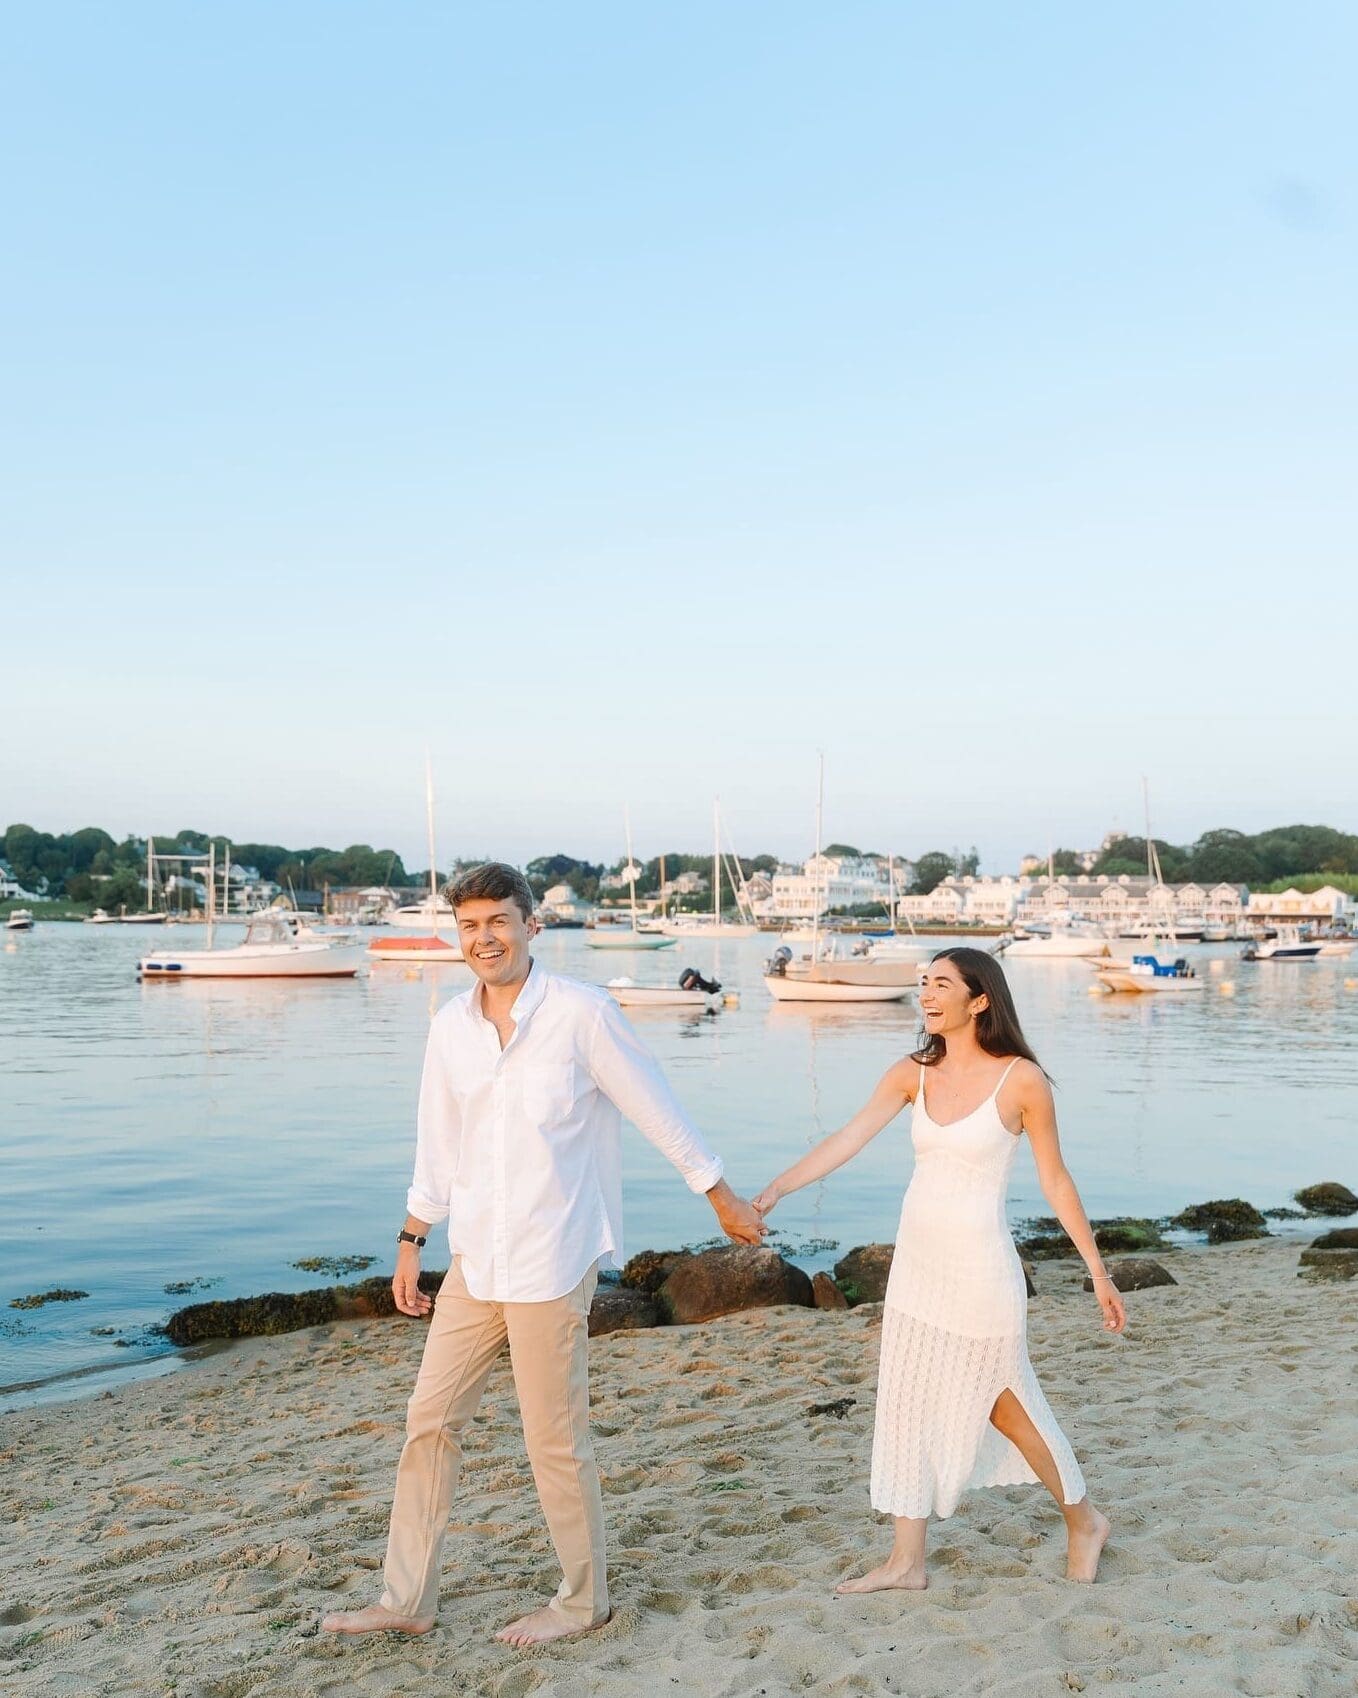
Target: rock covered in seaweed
(1327, 1198)
(861, 1274)
(1224, 1220)
(1135, 1273)
(722, 1282)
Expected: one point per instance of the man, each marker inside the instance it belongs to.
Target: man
(519, 1148)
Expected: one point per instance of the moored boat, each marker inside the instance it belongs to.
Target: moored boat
(1148, 974)
(691, 991)
(274, 948)
(20, 920)
(1288, 945)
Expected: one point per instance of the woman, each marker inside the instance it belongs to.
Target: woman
(958, 1403)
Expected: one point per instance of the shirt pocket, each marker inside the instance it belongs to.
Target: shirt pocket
(549, 1093)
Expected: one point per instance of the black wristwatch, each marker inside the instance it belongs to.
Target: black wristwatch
(404, 1237)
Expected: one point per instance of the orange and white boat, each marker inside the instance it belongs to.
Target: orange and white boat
(433, 948)
(435, 911)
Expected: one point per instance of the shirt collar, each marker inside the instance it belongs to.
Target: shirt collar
(529, 999)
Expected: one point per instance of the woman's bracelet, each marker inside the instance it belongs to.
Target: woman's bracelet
(1101, 1276)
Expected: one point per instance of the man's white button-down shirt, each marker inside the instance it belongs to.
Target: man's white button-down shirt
(520, 1149)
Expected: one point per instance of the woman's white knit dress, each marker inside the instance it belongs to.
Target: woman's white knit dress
(954, 1327)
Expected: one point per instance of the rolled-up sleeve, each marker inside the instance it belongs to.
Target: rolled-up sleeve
(436, 1143)
(629, 1075)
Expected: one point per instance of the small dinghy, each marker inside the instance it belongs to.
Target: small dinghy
(692, 991)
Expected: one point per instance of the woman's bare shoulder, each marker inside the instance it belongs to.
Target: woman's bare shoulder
(903, 1076)
(1027, 1081)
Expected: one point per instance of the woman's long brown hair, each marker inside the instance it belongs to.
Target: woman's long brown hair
(997, 1025)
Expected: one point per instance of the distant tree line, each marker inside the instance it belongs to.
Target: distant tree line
(91, 866)
(1280, 855)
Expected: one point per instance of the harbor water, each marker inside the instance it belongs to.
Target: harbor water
(167, 1142)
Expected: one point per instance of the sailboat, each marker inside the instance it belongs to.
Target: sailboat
(1147, 973)
(435, 912)
(629, 936)
(712, 925)
(819, 979)
(151, 917)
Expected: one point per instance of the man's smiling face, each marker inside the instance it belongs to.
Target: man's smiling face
(495, 937)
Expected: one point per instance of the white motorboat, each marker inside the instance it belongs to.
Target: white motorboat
(691, 991)
(21, 920)
(1147, 974)
(823, 983)
(274, 948)
(1067, 944)
(895, 948)
(1288, 945)
(623, 937)
(435, 911)
(100, 918)
(148, 919)
(703, 925)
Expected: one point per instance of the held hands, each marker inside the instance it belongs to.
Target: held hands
(405, 1285)
(739, 1220)
(1110, 1301)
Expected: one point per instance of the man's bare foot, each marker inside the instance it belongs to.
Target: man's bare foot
(540, 1627)
(887, 1579)
(1085, 1547)
(375, 1619)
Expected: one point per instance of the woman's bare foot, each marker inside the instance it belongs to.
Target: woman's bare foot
(1085, 1547)
(540, 1627)
(375, 1619)
(887, 1579)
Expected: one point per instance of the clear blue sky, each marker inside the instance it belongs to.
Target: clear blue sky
(627, 401)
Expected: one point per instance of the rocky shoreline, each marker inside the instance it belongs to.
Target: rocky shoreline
(684, 1287)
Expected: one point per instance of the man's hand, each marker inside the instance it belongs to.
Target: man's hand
(405, 1286)
(739, 1220)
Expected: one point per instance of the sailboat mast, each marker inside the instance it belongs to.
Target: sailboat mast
(716, 865)
(211, 882)
(150, 872)
(631, 867)
(429, 833)
(816, 881)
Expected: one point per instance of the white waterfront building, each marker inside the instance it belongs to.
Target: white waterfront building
(1129, 903)
(1327, 906)
(966, 901)
(829, 881)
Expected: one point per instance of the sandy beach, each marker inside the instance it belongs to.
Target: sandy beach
(182, 1536)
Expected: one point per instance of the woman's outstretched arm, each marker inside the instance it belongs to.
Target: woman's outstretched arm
(1039, 1122)
(894, 1090)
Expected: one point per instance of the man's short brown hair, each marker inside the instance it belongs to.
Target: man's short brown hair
(496, 881)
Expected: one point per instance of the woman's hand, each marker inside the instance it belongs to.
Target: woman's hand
(1110, 1301)
(767, 1198)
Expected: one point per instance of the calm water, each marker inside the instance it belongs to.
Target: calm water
(218, 1132)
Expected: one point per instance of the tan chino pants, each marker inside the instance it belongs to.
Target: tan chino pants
(549, 1353)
